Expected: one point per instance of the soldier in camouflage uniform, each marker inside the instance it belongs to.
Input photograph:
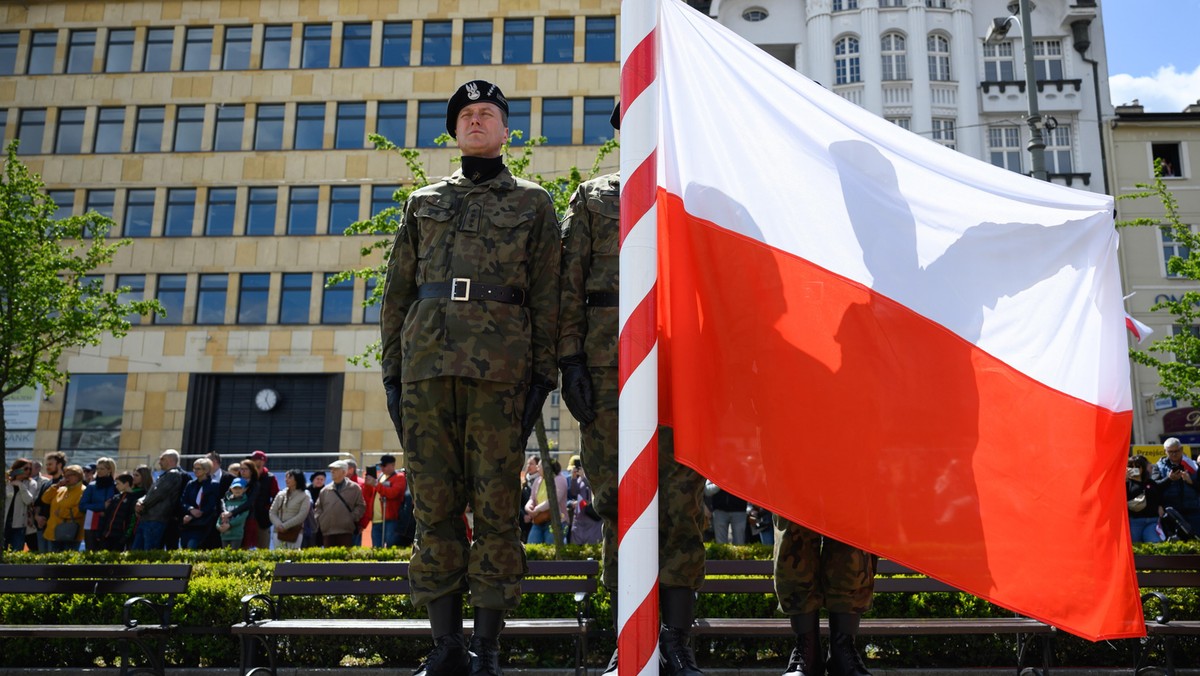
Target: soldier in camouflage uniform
(588, 347)
(470, 313)
(814, 572)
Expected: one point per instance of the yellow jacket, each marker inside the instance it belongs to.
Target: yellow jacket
(64, 506)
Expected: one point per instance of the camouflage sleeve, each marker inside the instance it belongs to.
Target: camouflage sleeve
(399, 290)
(544, 257)
(576, 260)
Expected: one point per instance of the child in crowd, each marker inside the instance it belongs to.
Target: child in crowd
(233, 528)
(116, 523)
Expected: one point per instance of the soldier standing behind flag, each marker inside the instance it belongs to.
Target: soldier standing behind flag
(470, 313)
(588, 343)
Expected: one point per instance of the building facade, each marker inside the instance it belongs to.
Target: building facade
(228, 140)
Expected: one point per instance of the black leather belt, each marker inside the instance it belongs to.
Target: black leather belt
(602, 299)
(463, 289)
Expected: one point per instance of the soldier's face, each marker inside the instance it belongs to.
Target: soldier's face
(480, 130)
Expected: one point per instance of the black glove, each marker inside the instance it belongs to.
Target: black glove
(391, 387)
(577, 388)
(538, 391)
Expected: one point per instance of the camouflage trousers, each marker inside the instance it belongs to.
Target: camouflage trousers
(462, 447)
(680, 504)
(814, 572)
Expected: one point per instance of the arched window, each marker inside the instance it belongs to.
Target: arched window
(895, 64)
(846, 67)
(939, 58)
(755, 14)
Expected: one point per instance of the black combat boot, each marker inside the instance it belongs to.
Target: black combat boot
(678, 611)
(485, 642)
(449, 656)
(806, 659)
(844, 659)
(612, 661)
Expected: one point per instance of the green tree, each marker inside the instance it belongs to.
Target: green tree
(47, 301)
(1179, 367)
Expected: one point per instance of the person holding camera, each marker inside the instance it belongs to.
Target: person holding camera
(1142, 495)
(19, 493)
(1178, 480)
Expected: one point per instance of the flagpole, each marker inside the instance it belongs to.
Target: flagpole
(637, 518)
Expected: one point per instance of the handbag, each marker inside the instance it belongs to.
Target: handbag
(290, 534)
(66, 531)
(540, 518)
(1137, 504)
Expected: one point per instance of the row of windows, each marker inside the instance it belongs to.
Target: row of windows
(1006, 150)
(998, 61)
(229, 211)
(320, 45)
(847, 5)
(280, 126)
(999, 64)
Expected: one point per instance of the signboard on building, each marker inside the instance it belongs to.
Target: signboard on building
(20, 418)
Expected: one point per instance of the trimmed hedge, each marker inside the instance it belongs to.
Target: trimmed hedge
(221, 577)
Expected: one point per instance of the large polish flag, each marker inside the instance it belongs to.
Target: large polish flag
(890, 342)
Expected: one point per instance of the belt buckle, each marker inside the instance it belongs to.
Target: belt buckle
(466, 289)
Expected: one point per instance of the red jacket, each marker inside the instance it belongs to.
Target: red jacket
(391, 489)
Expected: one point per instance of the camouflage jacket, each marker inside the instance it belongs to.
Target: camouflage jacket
(591, 237)
(503, 231)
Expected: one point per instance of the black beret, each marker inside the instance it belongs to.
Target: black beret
(475, 91)
(615, 120)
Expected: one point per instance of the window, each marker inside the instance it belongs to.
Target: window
(338, 304)
(252, 298)
(518, 40)
(64, 202)
(431, 122)
(559, 44)
(260, 212)
(110, 127)
(895, 63)
(189, 128)
(8, 52)
(892, 3)
(939, 58)
(343, 208)
(937, 4)
(119, 55)
(42, 45)
(371, 312)
(181, 211)
(1171, 157)
(1171, 247)
(397, 44)
(227, 132)
(69, 138)
(391, 120)
(302, 211)
(158, 49)
(148, 133)
(134, 289)
(268, 127)
(351, 130)
(93, 414)
(846, 66)
(222, 205)
(519, 119)
(171, 291)
(1058, 150)
(943, 131)
(596, 115)
(237, 48)
(755, 14)
(81, 51)
(100, 201)
(902, 122)
(477, 42)
(1004, 147)
(31, 130)
(600, 39)
(139, 213)
(556, 121)
(998, 64)
(296, 298)
(315, 46)
(435, 44)
(277, 47)
(310, 126)
(210, 300)
(356, 45)
(383, 197)
(197, 49)
(1048, 59)
(844, 5)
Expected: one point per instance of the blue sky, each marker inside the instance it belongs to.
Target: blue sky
(1153, 52)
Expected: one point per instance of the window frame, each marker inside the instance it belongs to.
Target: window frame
(190, 128)
(518, 41)
(206, 295)
(143, 200)
(146, 119)
(847, 60)
(159, 46)
(180, 212)
(80, 55)
(179, 293)
(195, 56)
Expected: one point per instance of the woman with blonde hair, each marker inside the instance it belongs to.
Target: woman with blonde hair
(95, 495)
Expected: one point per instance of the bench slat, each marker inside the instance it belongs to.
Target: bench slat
(402, 627)
(879, 626)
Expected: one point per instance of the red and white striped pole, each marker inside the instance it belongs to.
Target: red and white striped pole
(637, 520)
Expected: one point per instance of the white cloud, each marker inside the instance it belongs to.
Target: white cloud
(1167, 91)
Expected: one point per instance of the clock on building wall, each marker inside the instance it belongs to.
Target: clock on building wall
(266, 399)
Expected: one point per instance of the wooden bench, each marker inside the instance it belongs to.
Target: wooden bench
(136, 581)
(262, 623)
(1164, 571)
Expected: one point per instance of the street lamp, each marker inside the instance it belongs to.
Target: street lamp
(996, 33)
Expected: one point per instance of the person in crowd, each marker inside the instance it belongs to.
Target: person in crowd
(1144, 497)
(19, 495)
(268, 488)
(200, 505)
(64, 526)
(89, 473)
(383, 507)
(586, 526)
(218, 471)
(339, 507)
(160, 504)
(469, 317)
(761, 524)
(1179, 482)
(368, 496)
(530, 472)
(52, 474)
(289, 510)
(235, 513)
(312, 530)
(31, 522)
(115, 532)
(728, 515)
(537, 510)
(98, 491)
(248, 471)
(408, 526)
